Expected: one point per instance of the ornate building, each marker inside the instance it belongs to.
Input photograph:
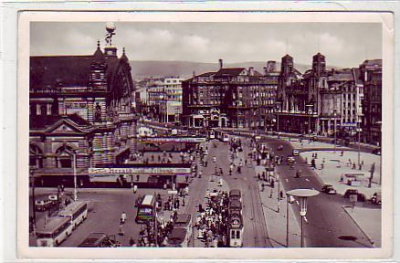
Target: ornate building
(230, 97)
(80, 109)
(318, 101)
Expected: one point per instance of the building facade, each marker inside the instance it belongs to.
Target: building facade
(321, 101)
(230, 97)
(81, 112)
(371, 77)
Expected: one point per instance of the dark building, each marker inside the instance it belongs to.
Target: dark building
(230, 97)
(371, 76)
(80, 109)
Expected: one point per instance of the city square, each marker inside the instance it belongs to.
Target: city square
(232, 156)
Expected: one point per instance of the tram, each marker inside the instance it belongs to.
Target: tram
(235, 230)
(235, 222)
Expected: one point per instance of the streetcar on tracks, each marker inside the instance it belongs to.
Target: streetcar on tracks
(235, 194)
(235, 229)
(53, 231)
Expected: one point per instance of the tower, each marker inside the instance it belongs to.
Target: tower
(110, 51)
(97, 79)
(318, 64)
(286, 65)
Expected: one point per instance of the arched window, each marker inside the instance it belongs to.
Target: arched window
(35, 156)
(64, 157)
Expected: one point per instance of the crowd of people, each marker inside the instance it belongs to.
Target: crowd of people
(211, 222)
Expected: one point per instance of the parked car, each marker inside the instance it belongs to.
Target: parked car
(377, 151)
(350, 192)
(360, 196)
(376, 198)
(43, 205)
(100, 240)
(328, 189)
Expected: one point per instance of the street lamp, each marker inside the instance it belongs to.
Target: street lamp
(32, 179)
(309, 112)
(303, 195)
(290, 200)
(278, 110)
(334, 128)
(359, 139)
(75, 183)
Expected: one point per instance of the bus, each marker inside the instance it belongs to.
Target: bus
(52, 232)
(76, 211)
(146, 210)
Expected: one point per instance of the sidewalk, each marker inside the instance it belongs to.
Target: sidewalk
(275, 213)
(331, 166)
(369, 221)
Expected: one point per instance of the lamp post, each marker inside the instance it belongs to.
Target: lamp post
(290, 200)
(75, 181)
(359, 139)
(334, 130)
(303, 195)
(32, 177)
(278, 110)
(309, 112)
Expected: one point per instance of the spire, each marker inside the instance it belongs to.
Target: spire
(124, 57)
(98, 55)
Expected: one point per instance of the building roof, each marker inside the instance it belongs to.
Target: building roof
(40, 122)
(232, 72)
(67, 71)
(207, 74)
(341, 76)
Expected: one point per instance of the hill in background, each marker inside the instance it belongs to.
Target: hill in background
(185, 69)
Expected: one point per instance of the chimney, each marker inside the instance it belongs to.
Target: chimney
(221, 64)
(251, 71)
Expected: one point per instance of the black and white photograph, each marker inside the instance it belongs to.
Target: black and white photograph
(219, 131)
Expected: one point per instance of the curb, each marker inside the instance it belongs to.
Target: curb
(362, 230)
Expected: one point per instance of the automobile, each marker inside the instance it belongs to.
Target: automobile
(376, 198)
(295, 152)
(100, 240)
(328, 189)
(43, 205)
(350, 192)
(377, 151)
(360, 196)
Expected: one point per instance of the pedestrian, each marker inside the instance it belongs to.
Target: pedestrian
(272, 183)
(137, 177)
(121, 230)
(123, 218)
(132, 242)
(262, 187)
(220, 182)
(221, 172)
(281, 195)
(135, 187)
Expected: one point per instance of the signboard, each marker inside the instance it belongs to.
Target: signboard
(174, 139)
(138, 170)
(353, 198)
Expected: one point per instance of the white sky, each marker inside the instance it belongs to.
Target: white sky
(343, 44)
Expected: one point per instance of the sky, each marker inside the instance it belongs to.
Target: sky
(343, 44)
